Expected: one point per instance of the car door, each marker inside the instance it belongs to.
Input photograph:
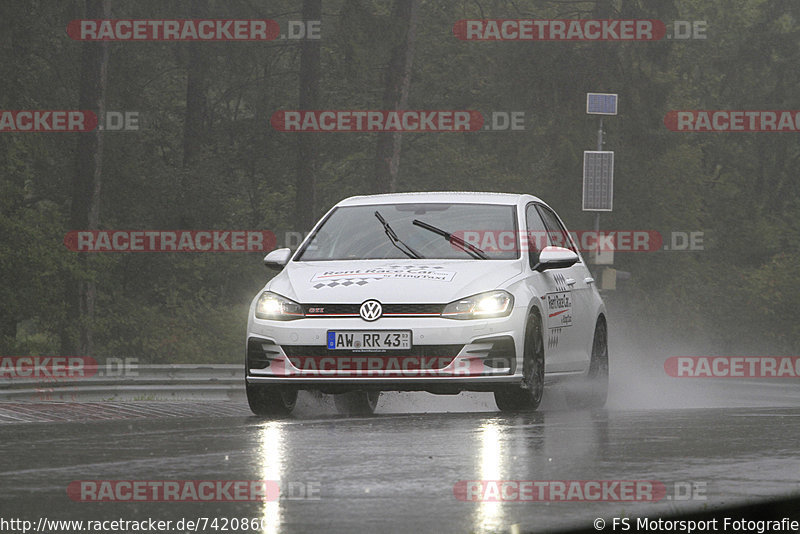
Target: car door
(563, 298)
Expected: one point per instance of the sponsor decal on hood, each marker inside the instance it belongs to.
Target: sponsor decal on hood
(345, 277)
(395, 281)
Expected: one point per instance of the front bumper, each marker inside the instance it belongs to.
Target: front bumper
(446, 356)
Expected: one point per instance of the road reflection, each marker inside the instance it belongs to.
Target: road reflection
(489, 515)
(270, 454)
(523, 447)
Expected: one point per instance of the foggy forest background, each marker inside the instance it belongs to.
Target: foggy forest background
(205, 157)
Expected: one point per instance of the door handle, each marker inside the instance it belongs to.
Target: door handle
(570, 281)
(589, 280)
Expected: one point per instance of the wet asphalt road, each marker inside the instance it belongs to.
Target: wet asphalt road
(395, 472)
(732, 441)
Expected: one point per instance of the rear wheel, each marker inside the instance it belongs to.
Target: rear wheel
(356, 402)
(592, 390)
(271, 401)
(528, 395)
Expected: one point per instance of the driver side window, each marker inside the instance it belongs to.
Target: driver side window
(536, 234)
(556, 233)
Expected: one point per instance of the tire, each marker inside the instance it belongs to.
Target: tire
(269, 401)
(592, 390)
(356, 402)
(527, 396)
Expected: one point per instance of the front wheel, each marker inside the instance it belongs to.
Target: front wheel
(592, 390)
(270, 401)
(527, 396)
(356, 402)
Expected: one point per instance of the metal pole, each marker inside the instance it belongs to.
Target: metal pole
(597, 213)
(600, 135)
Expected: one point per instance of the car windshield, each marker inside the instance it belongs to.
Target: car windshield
(356, 232)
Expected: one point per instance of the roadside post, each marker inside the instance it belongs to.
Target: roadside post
(598, 182)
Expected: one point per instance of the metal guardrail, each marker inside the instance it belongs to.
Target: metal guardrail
(143, 382)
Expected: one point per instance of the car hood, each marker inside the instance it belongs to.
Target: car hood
(392, 281)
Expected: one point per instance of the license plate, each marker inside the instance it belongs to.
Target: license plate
(369, 339)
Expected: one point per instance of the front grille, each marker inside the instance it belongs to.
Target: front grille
(420, 309)
(330, 309)
(389, 310)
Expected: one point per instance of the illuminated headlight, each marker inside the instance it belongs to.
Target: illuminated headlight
(277, 308)
(483, 305)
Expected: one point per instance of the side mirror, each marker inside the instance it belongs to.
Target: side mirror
(555, 258)
(278, 258)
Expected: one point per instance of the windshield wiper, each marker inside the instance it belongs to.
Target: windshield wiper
(472, 250)
(402, 247)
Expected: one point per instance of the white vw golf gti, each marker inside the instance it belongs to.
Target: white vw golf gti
(439, 292)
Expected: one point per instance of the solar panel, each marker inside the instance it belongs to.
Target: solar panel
(598, 180)
(601, 103)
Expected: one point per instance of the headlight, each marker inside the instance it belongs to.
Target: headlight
(481, 306)
(277, 308)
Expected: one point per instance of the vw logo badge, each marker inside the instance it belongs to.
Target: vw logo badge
(370, 310)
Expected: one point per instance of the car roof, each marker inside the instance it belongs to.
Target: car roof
(468, 197)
